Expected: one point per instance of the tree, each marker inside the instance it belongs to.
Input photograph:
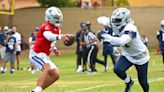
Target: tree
(58, 3)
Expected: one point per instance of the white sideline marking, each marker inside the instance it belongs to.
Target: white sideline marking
(84, 89)
(99, 86)
(23, 86)
(82, 74)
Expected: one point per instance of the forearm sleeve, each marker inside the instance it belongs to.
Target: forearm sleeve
(51, 37)
(124, 39)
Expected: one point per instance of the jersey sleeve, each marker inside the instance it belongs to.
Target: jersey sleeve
(131, 30)
(131, 34)
(124, 39)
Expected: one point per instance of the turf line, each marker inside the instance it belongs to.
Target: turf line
(99, 86)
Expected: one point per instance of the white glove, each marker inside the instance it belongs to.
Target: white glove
(107, 37)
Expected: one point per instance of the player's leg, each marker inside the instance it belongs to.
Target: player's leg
(163, 57)
(47, 77)
(94, 55)
(79, 66)
(84, 56)
(143, 76)
(120, 70)
(6, 59)
(111, 53)
(105, 58)
(49, 72)
(105, 54)
(52, 77)
(90, 58)
(2, 56)
(12, 61)
(17, 58)
(95, 52)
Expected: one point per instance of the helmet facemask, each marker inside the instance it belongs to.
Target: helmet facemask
(121, 17)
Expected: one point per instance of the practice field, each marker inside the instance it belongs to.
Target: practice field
(70, 81)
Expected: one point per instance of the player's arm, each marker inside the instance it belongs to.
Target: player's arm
(18, 39)
(158, 35)
(92, 41)
(54, 49)
(51, 37)
(7, 39)
(124, 39)
(15, 46)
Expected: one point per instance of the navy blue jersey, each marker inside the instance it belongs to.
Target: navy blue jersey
(107, 47)
(160, 36)
(2, 38)
(10, 46)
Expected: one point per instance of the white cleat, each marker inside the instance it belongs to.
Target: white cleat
(80, 69)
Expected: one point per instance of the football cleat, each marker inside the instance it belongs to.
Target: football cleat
(129, 85)
(80, 69)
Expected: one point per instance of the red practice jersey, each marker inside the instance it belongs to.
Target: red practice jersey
(42, 45)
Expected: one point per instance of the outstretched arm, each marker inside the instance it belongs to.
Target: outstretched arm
(124, 39)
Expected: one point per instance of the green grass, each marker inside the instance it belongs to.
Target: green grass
(70, 81)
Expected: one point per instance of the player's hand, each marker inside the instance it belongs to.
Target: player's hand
(83, 44)
(57, 52)
(15, 52)
(64, 37)
(107, 37)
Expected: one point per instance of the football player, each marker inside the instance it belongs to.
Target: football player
(107, 47)
(48, 33)
(134, 52)
(81, 50)
(160, 37)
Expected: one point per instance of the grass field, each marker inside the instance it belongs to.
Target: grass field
(70, 81)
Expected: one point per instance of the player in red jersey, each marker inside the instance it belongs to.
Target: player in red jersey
(47, 36)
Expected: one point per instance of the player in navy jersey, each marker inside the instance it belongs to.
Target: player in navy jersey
(160, 37)
(107, 47)
(133, 50)
(81, 50)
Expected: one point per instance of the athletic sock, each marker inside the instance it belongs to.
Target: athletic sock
(38, 89)
(127, 79)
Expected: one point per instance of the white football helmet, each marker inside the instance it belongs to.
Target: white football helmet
(120, 17)
(162, 23)
(54, 16)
